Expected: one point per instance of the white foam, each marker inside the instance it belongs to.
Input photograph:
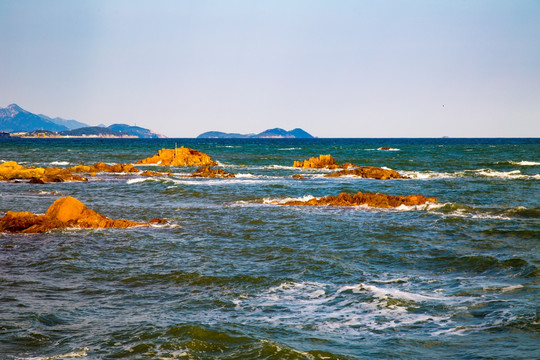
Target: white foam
(514, 174)
(386, 293)
(74, 354)
(137, 180)
(285, 200)
(60, 163)
(324, 308)
(511, 288)
(523, 163)
(425, 175)
(388, 149)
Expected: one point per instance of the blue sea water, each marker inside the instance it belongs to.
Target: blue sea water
(234, 276)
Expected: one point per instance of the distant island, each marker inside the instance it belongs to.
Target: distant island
(17, 122)
(276, 133)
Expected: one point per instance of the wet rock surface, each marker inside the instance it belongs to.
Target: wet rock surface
(66, 212)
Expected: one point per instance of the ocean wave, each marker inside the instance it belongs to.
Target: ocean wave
(74, 354)
(384, 148)
(285, 200)
(520, 163)
(60, 163)
(514, 174)
(348, 309)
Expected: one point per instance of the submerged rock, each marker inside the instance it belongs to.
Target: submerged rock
(371, 172)
(37, 175)
(370, 199)
(65, 212)
(208, 172)
(179, 157)
(298, 176)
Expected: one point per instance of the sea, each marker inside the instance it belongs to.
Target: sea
(235, 275)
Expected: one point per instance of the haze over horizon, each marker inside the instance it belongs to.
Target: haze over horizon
(334, 69)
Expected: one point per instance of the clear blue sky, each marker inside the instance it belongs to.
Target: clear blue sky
(334, 68)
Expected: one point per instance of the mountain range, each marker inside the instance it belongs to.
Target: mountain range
(15, 119)
(276, 133)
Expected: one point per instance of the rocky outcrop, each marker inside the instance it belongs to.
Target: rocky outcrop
(102, 167)
(208, 172)
(65, 212)
(321, 162)
(370, 199)
(371, 172)
(298, 176)
(12, 171)
(179, 157)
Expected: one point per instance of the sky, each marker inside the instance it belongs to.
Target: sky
(457, 68)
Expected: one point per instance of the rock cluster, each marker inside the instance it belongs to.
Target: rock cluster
(208, 172)
(371, 172)
(63, 213)
(102, 167)
(179, 157)
(370, 199)
(12, 171)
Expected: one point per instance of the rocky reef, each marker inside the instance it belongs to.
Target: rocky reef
(66, 212)
(371, 172)
(178, 157)
(370, 199)
(208, 172)
(12, 171)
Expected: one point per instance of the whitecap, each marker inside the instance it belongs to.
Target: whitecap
(137, 180)
(74, 354)
(521, 163)
(285, 200)
(60, 163)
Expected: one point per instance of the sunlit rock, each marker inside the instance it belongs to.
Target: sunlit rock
(65, 212)
(179, 157)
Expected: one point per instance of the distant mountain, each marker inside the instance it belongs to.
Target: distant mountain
(137, 131)
(276, 133)
(15, 119)
(70, 124)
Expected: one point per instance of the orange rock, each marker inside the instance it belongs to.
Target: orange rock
(154, 173)
(206, 171)
(321, 162)
(370, 199)
(158, 221)
(12, 171)
(102, 167)
(371, 172)
(179, 157)
(298, 176)
(64, 212)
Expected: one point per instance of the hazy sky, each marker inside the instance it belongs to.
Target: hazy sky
(334, 68)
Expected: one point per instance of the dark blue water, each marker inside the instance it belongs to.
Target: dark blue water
(232, 276)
